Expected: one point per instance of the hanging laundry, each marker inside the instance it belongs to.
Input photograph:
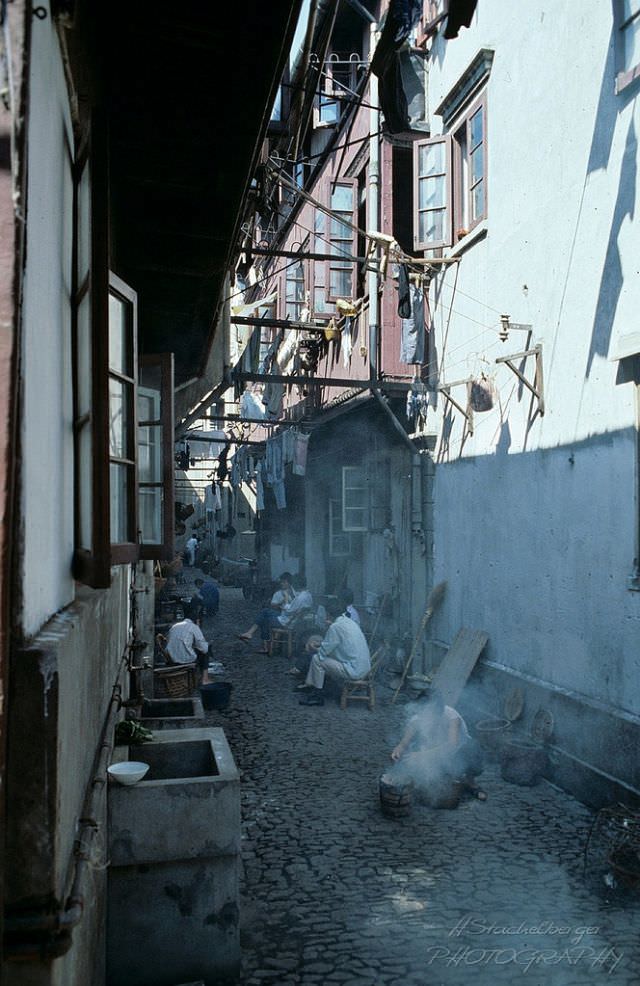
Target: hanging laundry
(417, 402)
(300, 453)
(400, 72)
(279, 493)
(404, 292)
(251, 406)
(412, 327)
(347, 341)
(223, 469)
(288, 439)
(259, 487)
(273, 398)
(274, 464)
(235, 478)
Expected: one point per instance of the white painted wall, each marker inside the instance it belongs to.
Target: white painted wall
(535, 528)
(47, 436)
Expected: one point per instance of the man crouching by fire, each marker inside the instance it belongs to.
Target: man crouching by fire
(436, 754)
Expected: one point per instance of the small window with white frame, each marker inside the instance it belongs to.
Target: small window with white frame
(355, 499)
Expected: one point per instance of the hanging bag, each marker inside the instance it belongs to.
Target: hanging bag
(483, 393)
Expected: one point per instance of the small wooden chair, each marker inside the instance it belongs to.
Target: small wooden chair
(286, 635)
(363, 689)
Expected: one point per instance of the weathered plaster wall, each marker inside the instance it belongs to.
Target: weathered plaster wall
(535, 517)
(46, 413)
(60, 689)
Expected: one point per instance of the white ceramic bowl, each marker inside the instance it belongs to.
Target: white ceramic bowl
(128, 772)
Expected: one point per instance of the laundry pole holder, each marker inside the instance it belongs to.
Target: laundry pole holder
(537, 387)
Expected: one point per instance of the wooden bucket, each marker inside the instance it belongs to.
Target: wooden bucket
(523, 763)
(395, 798)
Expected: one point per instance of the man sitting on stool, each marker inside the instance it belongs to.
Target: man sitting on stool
(185, 644)
(343, 655)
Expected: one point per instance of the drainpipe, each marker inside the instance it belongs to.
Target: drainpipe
(374, 210)
(39, 935)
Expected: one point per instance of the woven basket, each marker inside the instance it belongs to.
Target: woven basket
(174, 683)
(491, 734)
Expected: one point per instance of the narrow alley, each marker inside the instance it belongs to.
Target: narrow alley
(335, 892)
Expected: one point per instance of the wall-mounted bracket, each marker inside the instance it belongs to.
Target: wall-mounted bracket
(466, 412)
(537, 388)
(507, 325)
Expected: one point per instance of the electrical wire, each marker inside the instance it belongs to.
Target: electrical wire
(332, 150)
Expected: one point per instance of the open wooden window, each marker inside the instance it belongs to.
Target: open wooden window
(341, 269)
(111, 526)
(122, 374)
(91, 561)
(470, 169)
(432, 193)
(155, 456)
(295, 290)
(318, 287)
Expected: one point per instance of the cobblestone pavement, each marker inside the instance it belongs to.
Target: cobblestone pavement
(335, 892)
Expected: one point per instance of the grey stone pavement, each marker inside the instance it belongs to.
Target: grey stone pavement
(335, 892)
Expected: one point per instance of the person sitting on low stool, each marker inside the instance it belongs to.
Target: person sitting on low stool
(343, 655)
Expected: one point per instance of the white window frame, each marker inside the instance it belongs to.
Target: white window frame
(354, 480)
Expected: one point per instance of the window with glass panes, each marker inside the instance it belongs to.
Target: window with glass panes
(295, 291)
(450, 181)
(122, 413)
(433, 193)
(342, 240)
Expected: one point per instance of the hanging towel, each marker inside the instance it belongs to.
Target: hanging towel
(288, 444)
(300, 454)
(347, 341)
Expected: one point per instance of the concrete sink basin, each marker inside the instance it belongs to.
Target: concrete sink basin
(174, 844)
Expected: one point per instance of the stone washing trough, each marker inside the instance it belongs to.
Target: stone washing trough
(174, 845)
(171, 713)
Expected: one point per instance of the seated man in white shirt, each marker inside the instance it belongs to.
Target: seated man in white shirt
(343, 655)
(268, 619)
(301, 603)
(185, 644)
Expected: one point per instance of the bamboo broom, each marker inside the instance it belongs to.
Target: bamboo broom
(435, 597)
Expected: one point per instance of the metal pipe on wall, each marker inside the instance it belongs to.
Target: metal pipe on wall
(373, 209)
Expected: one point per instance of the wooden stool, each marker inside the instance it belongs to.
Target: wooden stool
(361, 690)
(280, 636)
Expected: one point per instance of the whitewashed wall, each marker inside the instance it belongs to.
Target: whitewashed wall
(46, 413)
(535, 527)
